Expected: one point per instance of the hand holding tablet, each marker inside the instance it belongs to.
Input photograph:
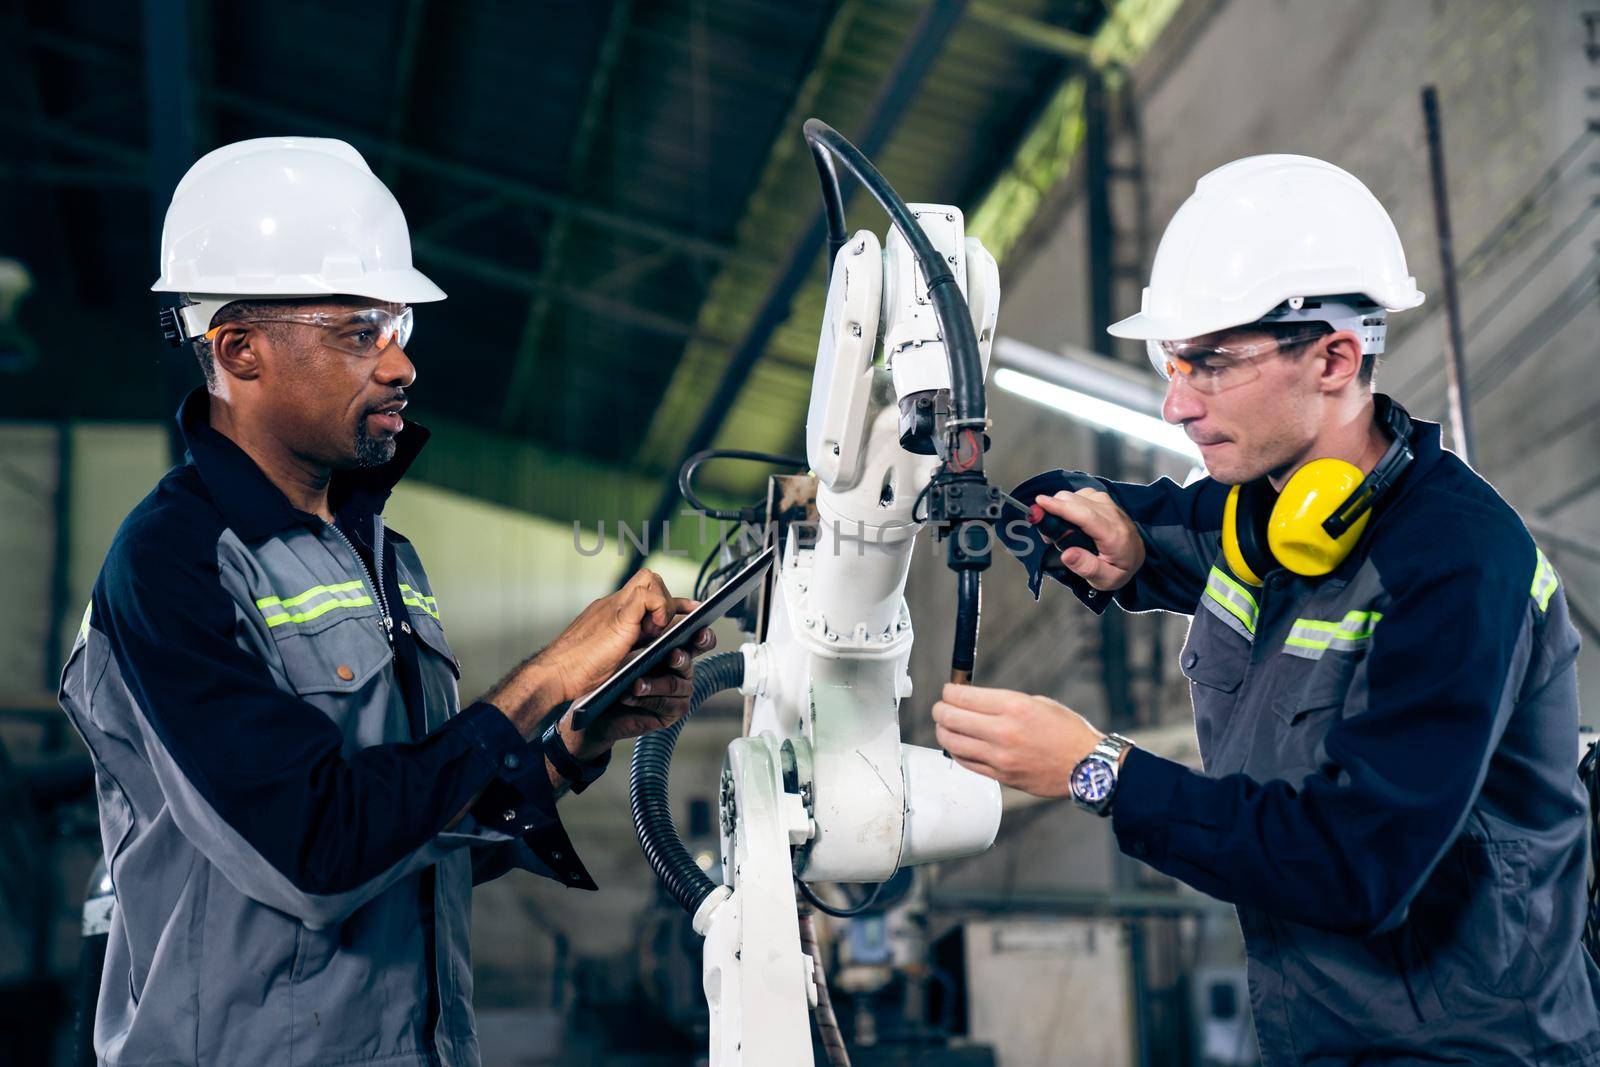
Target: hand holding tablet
(619, 686)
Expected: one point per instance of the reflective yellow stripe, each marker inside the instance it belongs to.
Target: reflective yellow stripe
(1236, 587)
(321, 609)
(1233, 597)
(1544, 581)
(317, 590)
(83, 627)
(413, 603)
(1318, 636)
(414, 598)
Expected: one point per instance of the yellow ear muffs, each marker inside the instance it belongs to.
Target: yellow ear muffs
(1295, 535)
(1244, 530)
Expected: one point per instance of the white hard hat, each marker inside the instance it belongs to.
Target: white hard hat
(285, 217)
(1264, 230)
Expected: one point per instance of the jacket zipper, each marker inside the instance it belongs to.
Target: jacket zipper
(376, 581)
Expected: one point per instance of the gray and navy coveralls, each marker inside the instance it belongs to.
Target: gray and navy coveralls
(1390, 793)
(271, 705)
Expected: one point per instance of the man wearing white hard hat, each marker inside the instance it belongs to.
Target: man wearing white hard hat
(293, 805)
(1381, 660)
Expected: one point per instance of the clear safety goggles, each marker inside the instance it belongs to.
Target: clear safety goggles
(366, 332)
(1210, 368)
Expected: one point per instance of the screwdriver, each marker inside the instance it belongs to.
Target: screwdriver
(1056, 532)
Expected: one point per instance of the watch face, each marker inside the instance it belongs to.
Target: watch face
(1092, 781)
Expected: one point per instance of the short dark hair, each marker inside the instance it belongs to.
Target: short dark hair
(1318, 330)
(237, 311)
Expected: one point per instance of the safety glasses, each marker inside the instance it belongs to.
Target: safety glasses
(366, 332)
(1209, 368)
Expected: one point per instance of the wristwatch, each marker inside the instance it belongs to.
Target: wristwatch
(1094, 780)
(577, 774)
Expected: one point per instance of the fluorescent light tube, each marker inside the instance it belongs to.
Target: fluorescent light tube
(1123, 420)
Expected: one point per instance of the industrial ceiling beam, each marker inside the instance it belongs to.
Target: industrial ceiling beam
(135, 173)
(924, 46)
(52, 131)
(405, 77)
(764, 226)
(526, 361)
(467, 175)
(538, 286)
(1031, 31)
(67, 175)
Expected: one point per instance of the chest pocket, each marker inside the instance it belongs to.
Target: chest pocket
(331, 645)
(1313, 676)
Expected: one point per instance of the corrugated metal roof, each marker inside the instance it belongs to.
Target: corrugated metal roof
(606, 191)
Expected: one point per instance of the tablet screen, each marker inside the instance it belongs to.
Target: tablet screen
(614, 688)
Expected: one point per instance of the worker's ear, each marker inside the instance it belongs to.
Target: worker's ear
(233, 350)
(1341, 360)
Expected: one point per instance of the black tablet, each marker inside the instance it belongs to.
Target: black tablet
(620, 684)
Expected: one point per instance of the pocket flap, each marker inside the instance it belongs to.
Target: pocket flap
(1214, 656)
(340, 659)
(1325, 685)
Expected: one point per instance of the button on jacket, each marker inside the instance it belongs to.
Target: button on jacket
(1390, 793)
(271, 705)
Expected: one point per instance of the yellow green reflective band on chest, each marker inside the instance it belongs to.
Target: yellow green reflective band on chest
(1233, 598)
(313, 603)
(412, 598)
(1544, 582)
(1310, 638)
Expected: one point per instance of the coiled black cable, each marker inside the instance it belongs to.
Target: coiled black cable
(748, 514)
(897, 888)
(647, 789)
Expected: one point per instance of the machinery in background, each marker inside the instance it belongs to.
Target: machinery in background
(18, 350)
(820, 788)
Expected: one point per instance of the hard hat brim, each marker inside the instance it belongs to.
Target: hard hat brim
(1144, 327)
(406, 285)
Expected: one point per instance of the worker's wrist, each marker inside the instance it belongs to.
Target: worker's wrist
(570, 761)
(527, 695)
(583, 748)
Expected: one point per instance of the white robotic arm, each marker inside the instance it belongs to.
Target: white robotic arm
(822, 788)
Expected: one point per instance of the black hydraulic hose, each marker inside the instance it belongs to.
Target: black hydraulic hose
(647, 789)
(960, 345)
(969, 604)
(832, 201)
(949, 306)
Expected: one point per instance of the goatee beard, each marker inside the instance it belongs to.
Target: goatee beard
(373, 451)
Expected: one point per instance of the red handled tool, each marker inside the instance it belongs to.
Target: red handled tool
(1057, 532)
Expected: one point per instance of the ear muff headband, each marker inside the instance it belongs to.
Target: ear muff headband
(1394, 462)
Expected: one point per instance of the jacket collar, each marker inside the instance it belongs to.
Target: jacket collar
(1426, 450)
(255, 508)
